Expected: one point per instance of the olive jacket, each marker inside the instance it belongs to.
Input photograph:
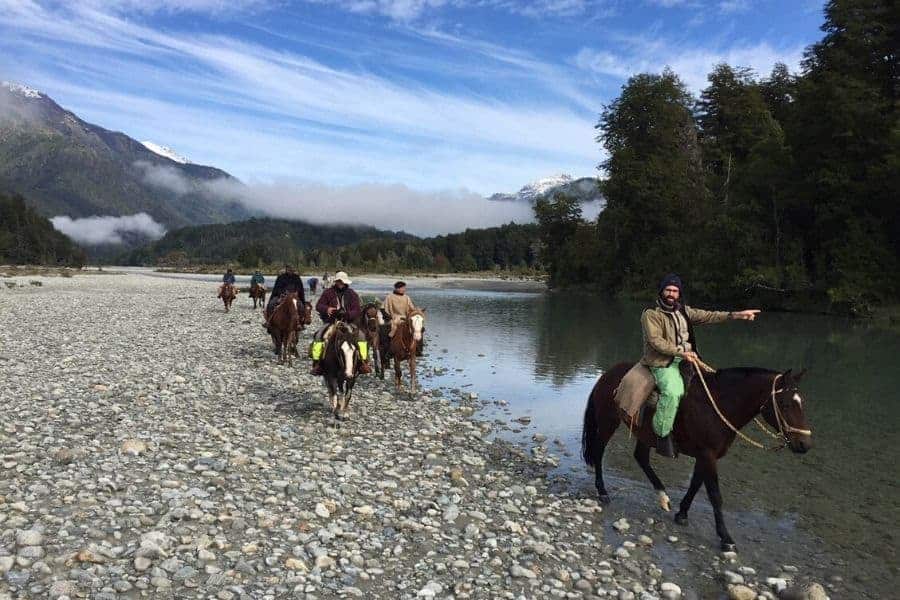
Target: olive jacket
(661, 339)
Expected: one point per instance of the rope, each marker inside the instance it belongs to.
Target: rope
(704, 367)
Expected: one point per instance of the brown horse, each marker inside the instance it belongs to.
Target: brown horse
(705, 427)
(370, 322)
(258, 293)
(228, 293)
(283, 326)
(404, 345)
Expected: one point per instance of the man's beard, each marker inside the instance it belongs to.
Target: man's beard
(670, 301)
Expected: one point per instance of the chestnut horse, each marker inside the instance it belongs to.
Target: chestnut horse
(258, 293)
(705, 427)
(404, 344)
(283, 326)
(340, 366)
(228, 293)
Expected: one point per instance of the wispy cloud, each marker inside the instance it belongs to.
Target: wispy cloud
(94, 231)
(692, 64)
(410, 10)
(305, 93)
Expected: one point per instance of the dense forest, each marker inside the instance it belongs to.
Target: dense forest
(27, 238)
(272, 242)
(786, 184)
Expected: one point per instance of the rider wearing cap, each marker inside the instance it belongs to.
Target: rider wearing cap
(669, 338)
(339, 303)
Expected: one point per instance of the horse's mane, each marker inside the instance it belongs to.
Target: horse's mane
(735, 375)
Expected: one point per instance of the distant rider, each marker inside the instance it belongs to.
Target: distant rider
(285, 283)
(668, 331)
(313, 285)
(257, 279)
(339, 303)
(227, 279)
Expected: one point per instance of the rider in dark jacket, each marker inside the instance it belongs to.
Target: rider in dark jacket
(339, 303)
(227, 279)
(286, 283)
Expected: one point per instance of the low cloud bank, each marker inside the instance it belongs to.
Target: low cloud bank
(392, 207)
(93, 231)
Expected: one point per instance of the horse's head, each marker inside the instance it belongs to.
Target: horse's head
(416, 318)
(372, 317)
(306, 314)
(786, 412)
(343, 340)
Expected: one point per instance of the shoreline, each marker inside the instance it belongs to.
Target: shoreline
(228, 473)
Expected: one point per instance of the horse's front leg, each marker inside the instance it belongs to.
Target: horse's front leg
(398, 373)
(697, 479)
(412, 372)
(715, 498)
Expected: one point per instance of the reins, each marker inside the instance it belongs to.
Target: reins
(784, 427)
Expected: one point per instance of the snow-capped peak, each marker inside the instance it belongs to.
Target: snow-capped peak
(166, 152)
(22, 90)
(536, 189)
(540, 187)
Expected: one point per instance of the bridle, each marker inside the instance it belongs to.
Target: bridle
(784, 428)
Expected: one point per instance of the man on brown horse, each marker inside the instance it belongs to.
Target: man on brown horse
(227, 279)
(339, 303)
(398, 305)
(286, 283)
(668, 330)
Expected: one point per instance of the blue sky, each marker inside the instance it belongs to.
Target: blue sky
(476, 95)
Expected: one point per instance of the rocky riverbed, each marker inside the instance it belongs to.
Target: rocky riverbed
(152, 447)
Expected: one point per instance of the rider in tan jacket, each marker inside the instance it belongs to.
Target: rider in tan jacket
(397, 305)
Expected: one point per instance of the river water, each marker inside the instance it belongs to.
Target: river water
(833, 511)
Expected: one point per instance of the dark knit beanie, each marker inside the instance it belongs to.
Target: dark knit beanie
(670, 279)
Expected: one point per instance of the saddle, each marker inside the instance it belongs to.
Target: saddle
(637, 392)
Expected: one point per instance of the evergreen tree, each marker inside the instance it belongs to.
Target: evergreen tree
(655, 192)
(846, 140)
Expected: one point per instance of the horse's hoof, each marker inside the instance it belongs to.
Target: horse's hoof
(604, 499)
(728, 547)
(681, 519)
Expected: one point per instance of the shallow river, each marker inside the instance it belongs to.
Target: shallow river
(833, 511)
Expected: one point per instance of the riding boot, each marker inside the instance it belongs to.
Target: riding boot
(316, 369)
(665, 446)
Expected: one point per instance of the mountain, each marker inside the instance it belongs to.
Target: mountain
(63, 165)
(585, 188)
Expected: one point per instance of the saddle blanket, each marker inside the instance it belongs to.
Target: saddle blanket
(637, 388)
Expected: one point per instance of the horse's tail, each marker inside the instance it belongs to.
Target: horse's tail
(589, 432)
(601, 415)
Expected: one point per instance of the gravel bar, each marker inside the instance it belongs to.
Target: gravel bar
(152, 447)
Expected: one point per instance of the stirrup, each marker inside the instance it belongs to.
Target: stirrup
(665, 446)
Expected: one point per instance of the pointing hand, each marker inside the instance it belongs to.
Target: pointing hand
(746, 315)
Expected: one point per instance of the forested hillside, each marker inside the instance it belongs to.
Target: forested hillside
(27, 238)
(263, 242)
(785, 183)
